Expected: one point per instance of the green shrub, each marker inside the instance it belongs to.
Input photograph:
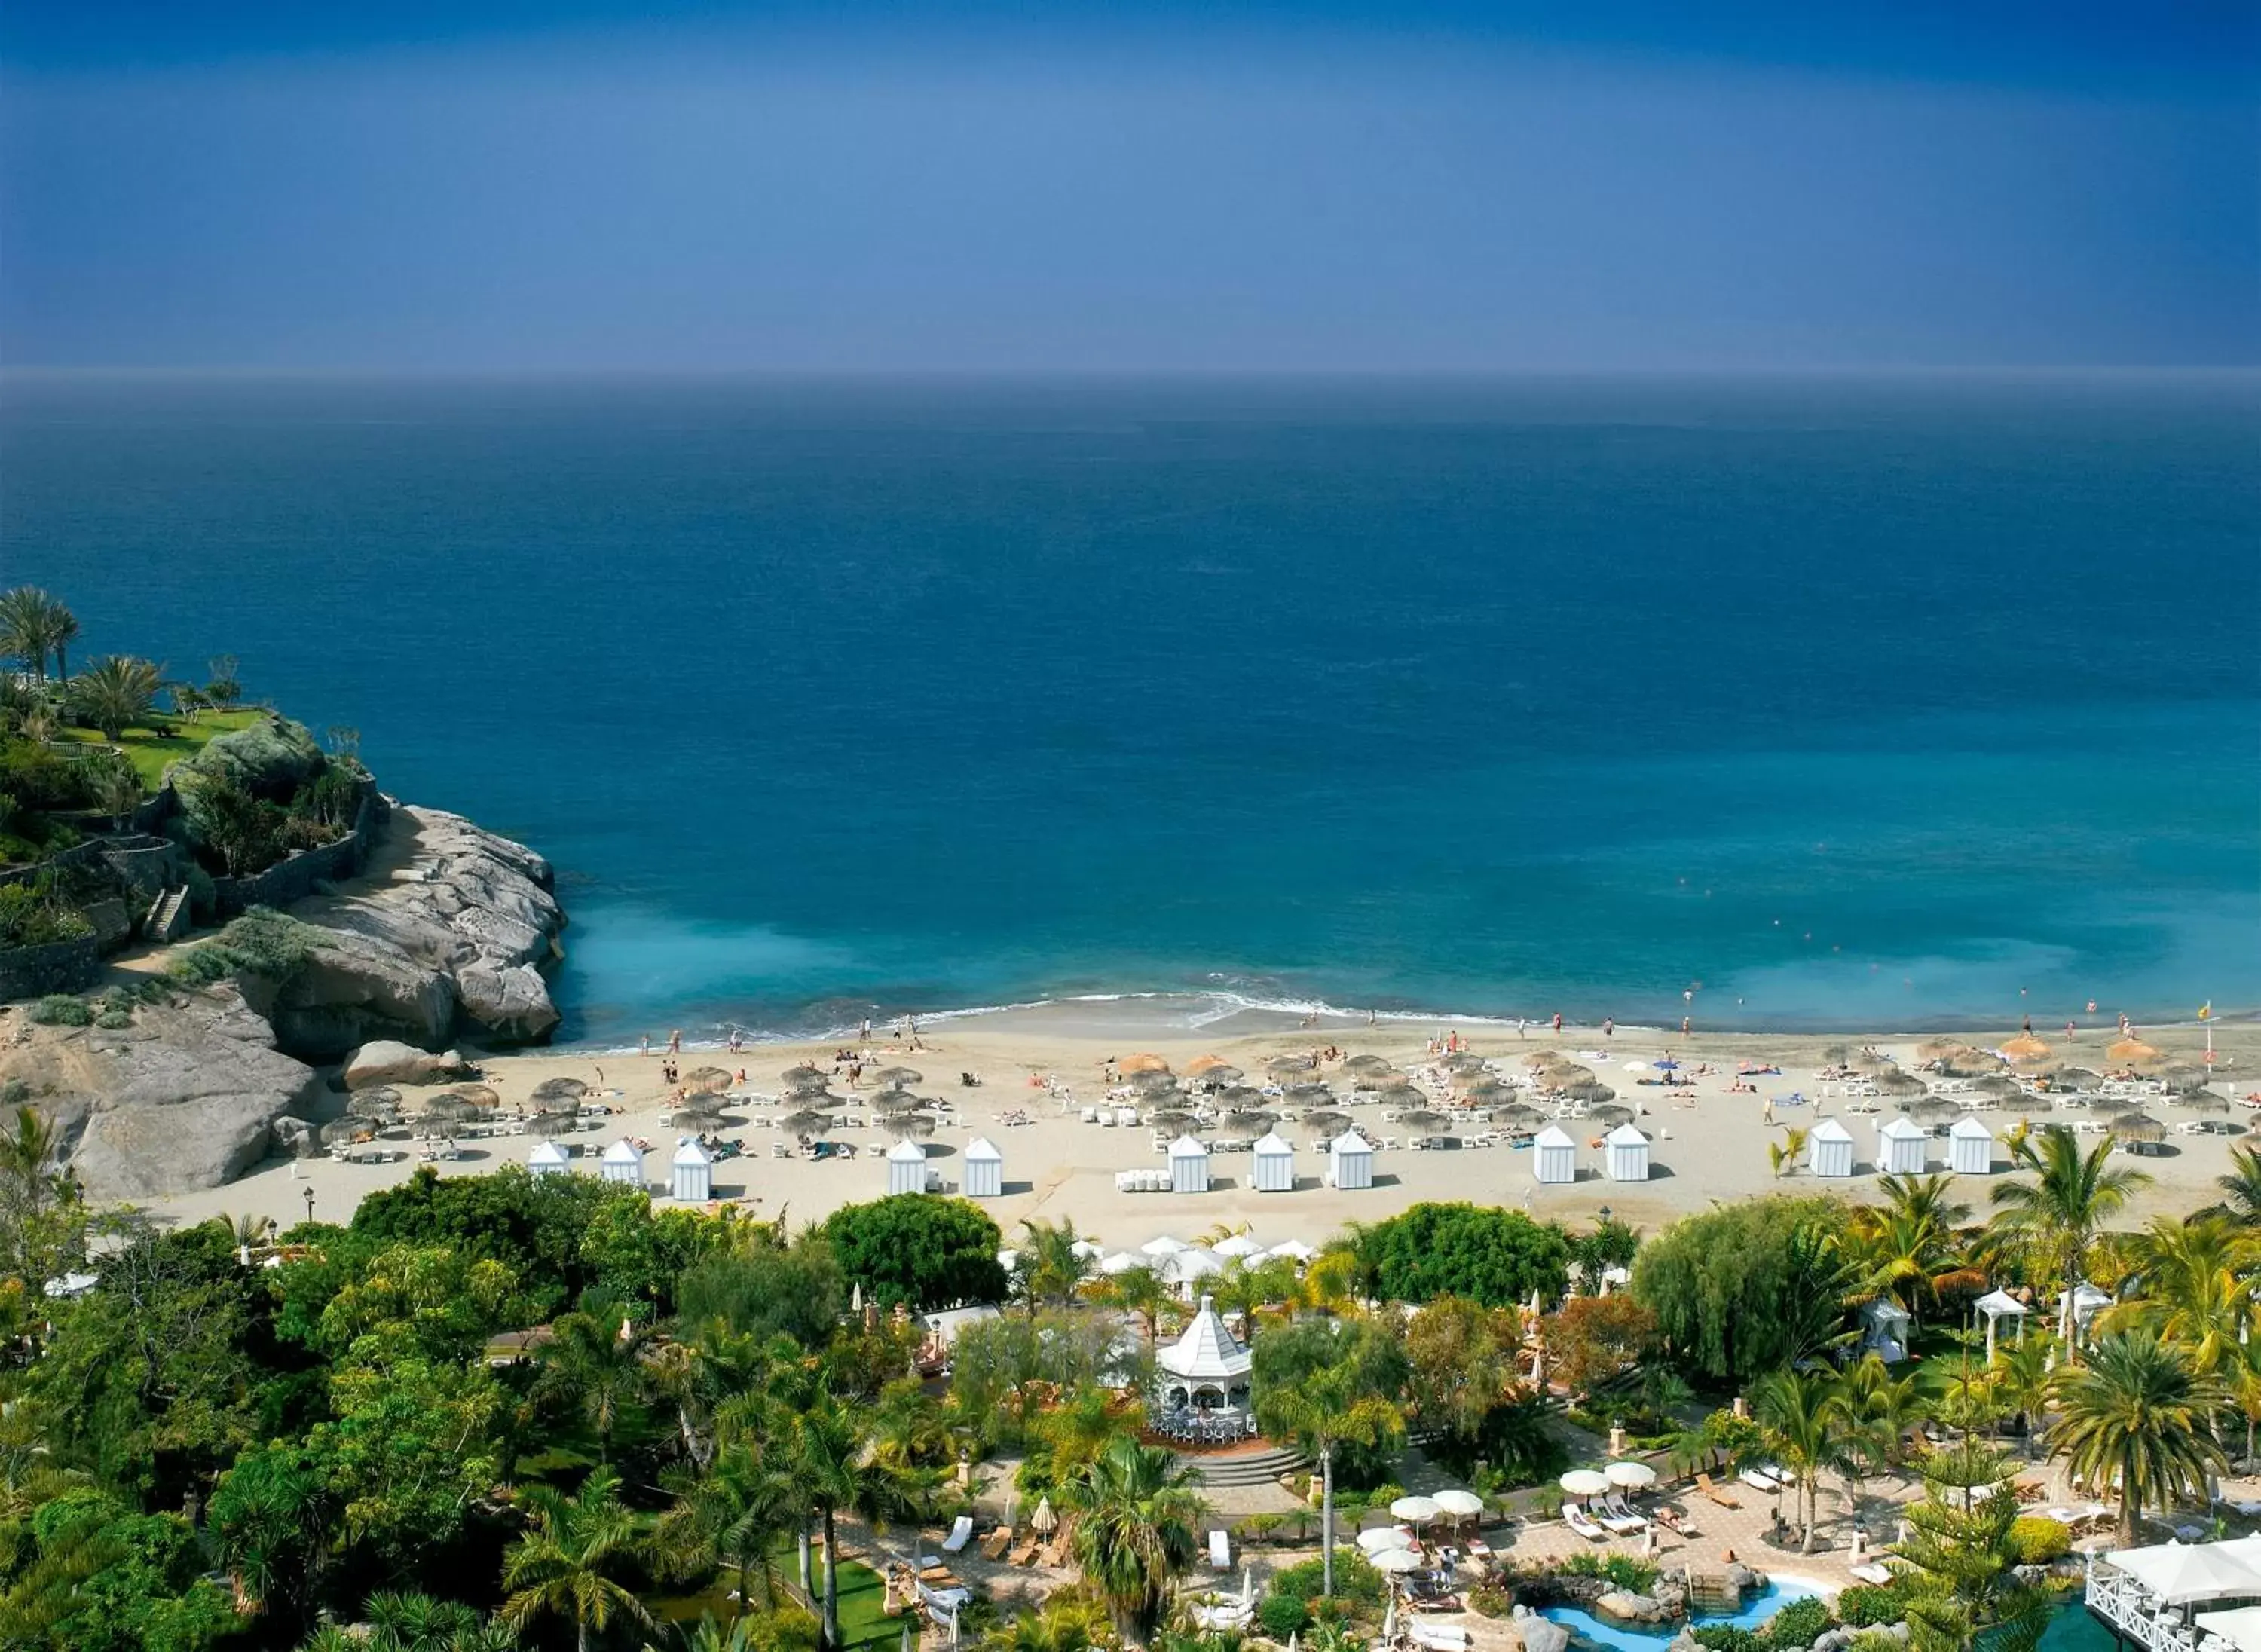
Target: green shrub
(262, 942)
(1355, 1579)
(1871, 1605)
(1283, 1615)
(34, 913)
(1619, 1572)
(1877, 1641)
(1487, 1602)
(1258, 1527)
(114, 1020)
(1798, 1624)
(2039, 1540)
(1725, 1637)
(60, 1009)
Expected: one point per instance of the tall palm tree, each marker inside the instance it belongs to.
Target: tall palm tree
(830, 1465)
(2138, 1414)
(1908, 1243)
(34, 625)
(595, 1360)
(1064, 1625)
(1803, 1414)
(2021, 1376)
(732, 1515)
(2073, 1195)
(1323, 1412)
(116, 693)
(2193, 1284)
(1139, 1290)
(1051, 1267)
(561, 1566)
(2240, 1188)
(404, 1620)
(1136, 1513)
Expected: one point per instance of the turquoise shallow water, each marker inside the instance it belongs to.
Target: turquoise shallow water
(1586, 1628)
(1830, 703)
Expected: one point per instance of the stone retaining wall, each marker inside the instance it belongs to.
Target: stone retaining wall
(59, 966)
(293, 878)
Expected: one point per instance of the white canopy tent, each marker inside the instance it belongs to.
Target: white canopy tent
(1189, 1166)
(548, 1158)
(1969, 1148)
(1901, 1149)
(1885, 1329)
(2178, 1574)
(1625, 1154)
(1207, 1363)
(1162, 1246)
(1275, 1164)
(2241, 1626)
(1555, 1156)
(1190, 1265)
(1350, 1162)
(623, 1162)
(1829, 1149)
(1121, 1262)
(1238, 1245)
(1296, 1250)
(985, 1169)
(1998, 1304)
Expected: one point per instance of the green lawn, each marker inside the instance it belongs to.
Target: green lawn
(862, 1594)
(152, 753)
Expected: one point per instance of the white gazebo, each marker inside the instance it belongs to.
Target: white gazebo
(2087, 1302)
(548, 1158)
(1189, 1166)
(1829, 1149)
(623, 1162)
(1900, 1146)
(1350, 1161)
(1969, 1148)
(1996, 1305)
(1275, 1165)
(1555, 1156)
(1884, 1329)
(1206, 1368)
(985, 1169)
(691, 1174)
(1625, 1154)
(905, 1168)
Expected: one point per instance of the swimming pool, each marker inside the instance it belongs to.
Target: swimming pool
(1586, 1628)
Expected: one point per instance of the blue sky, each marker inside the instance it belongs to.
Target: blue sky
(1411, 187)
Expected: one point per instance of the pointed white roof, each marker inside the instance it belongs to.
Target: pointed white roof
(907, 1152)
(1625, 1135)
(1207, 1352)
(1295, 1248)
(1274, 1142)
(548, 1152)
(982, 1147)
(1999, 1301)
(1164, 1245)
(1967, 1128)
(1554, 1136)
(1350, 1141)
(1196, 1263)
(1900, 1129)
(688, 1152)
(624, 1152)
(1238, 1245)
(1830, 1130)
(1121, 1262)
(1187, 1147)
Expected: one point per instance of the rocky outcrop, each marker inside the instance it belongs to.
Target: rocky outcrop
(389, 1061)
(447, 934)
(1540, 1634)
(1623, 1606)
(186, 1096)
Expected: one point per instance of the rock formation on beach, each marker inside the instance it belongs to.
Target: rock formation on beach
(442, 939)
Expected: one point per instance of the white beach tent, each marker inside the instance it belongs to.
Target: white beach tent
(1294, 1250)
(1189, 1166)
(691, 1173)
(1969, 1148)
(1275, 1165)
(1161, 1245)
(1626, 1155)
(1238, 1245)
(623, 1162)
(1350, 1164)
(985, 1169)
(548, 1158)
(1829, 1149)
(1554, 1155)
(905, 1168)
(1900, 1146)
(1997, 1305)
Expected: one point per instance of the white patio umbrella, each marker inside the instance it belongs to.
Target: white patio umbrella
(1238, 1245)
(1633, 1476)
(1460, 1505)
(1121, 1262)
(1295, 1248)
(1585, 1482)
(1164, 1245)
(1191, 1264)
(1415, 1510)
(1376, 1538)
(1090, 1249)
(1044, 1520)
(1396, 1560)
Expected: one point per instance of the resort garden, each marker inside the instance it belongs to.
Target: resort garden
(509, 1410)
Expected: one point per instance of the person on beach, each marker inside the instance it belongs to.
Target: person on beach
(647, 1044)
(1558, 1023)
(1685, 1026)
(675, 1042)
(1609, 1026)
(863, 1032)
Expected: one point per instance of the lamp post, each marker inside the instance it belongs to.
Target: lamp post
(310, 1204)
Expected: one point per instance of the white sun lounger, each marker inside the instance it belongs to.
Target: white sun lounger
(1574, 1518)
(960, 1534)
(1759, 1479)
(1438, 1637)
(1220, 1550)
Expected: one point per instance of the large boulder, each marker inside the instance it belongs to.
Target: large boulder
(272, 759)
(1623, 1606)
(390, 1061)
(349, 990)
(186, 1097)
(1541, 1635)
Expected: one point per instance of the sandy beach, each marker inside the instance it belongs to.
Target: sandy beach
(1046, 1063)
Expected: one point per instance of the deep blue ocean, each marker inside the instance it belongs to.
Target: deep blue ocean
(1857, 702)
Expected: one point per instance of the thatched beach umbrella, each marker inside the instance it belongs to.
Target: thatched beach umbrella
(1239, 1096)
(2183, 1075)
(804, 1072)
(1159, 1079)
(558, 1095)
(1252, 1124)
(1219, 1076)
(343, 1129)
(2130, 1050)
(2138, 1127)
(1173, 1119)
(2025, 1048)
(1462, 1061)
(897, 1101)
(477, 1095)
(909, 1126)
(1591, 1091)
(2201, 1102)
(375, 1104)
(1998, 1084)
(1308, 1094)
(1540, 1061)
(1286, 1067)
(1367, 1066)
(552, 1124)
(707, 1078)
(1423, 1118)
(806, 1122)
(1934, 1109)
(694, 1118)
(897, 1078)
(446, 1107)
(1893, 1081)
(1488, 1092)
(1326, 1122)
(1564, 1073)
(1200, 1066)
(1131, 1066)
(1521, 1116)
(1612, 1114)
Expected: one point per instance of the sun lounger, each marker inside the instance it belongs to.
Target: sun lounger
(1871, 1573)
(1615, 1506)
(1026, 1554)
(1704, 1485)
(1759, 1481)
(1220, 1551)
(1439, 1637)
(1055, 1553)
(961, 1533)
(1614, 1516)
(1574, 1518)
(994, 1545)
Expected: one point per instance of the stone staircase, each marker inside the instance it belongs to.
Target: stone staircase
(1262, 1464)
(168, 916)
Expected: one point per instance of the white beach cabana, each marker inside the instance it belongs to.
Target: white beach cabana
(548, 1158)
(1350, 1162)
(1969, 1148)
(1121, 1262)
(985, 1169)
(1275, 1164)
(623, 1162)
(1189, 1267)
(691, 1173)
(1900, 1146)
(1998, 1304)
(1829, 1149)
(906, 1168)
(1206, 1367)
(1555, 1156)
(1625, 1154)
(1884, 1329)
(1189, 1166)
(2087, 1302)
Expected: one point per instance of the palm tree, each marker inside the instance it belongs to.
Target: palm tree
(1782, 1155)
(1802, 1415)
(2240, 1188)
(596, 1360)
(1064, 1625)
(732, 1515)
(1322, 1413)
(1139, 1290)
(1136, 1513)
(1908, 1242)
(1051, 1267)
(830, 1465)
(2023, 1377)
(561, 1567)
(115, 693)
(34, 625)
(2072, 1194)
(2194, 1286)
(404, 1621)
(2138, 1414)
